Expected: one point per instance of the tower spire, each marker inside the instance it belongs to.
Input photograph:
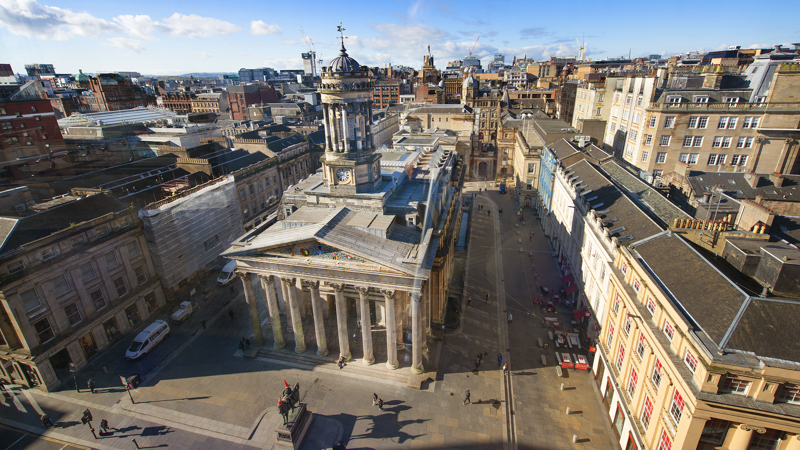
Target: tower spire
(341, 29)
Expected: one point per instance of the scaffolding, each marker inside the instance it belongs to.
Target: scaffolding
(188, 231)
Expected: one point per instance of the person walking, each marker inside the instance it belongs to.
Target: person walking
(380, 404)
(341, 362)
(90, 384)
(104, 426)
(509, 317)
(230, 313)
(466, 399)
(480, 357)
(374, 399)
(499, 359)
(487, 298)
(46, 420)
(203, 323)
(469, 301)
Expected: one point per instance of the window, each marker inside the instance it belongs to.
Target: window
(676, 409)
(664, 141)
(616, 305)
(210, 243)
(43, 330)
(669, 121)
(700, 99)
(717, 142)
(702, 122)
(242, 194)
(634, 377)
(669, 331)
(30, 299)
(744, 142)
(652, 122)
(33, 108)
(651, 306)
(693, 122)
(735, 386)
(714, 431)
(101, 231)
(648, 139)
(77, 242)
(625, 114)
(655, 377)
(789, 395)
(698, 141)
(647, 412)
(61, 285)
(766, 441)
(684, 157)
(690, 360)
(49, 253)
(713, 158)
(636, 285)
(121, 286)
(639, 101)
(750, 122)
(628, 99)
(251, 189)
(624, 268)
(661, 157)
(112, 260)
(637, 117)
(674, 99)
(13, 140)
(620, 357)
(645, 156)
(657, 174)
(723, 122)
(8, 126)
(665, 443)
(613, 127)
(610, 337)
(73, 315)
(739, 160)
(632, 135)
(726, 142)
(693, 158)
(16, 266)
(141, 275)
(133, 249)
(692, 141)
(731, 100)
(640, 346)
(626, 327)
(98, 299)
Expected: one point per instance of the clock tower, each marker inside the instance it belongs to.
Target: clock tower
(350, 164)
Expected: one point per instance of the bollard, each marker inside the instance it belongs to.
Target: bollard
(562, 386)
(567, 410)
(574, 438)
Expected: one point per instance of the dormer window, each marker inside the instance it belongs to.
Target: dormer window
(700, 99)
(674, 99)
(731, 100)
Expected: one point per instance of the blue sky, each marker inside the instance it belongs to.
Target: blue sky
(172, 37)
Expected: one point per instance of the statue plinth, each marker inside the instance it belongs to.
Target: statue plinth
(292, 434)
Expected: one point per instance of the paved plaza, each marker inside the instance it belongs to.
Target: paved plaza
(204, 393)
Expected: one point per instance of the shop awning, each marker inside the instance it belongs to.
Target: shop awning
(571, 288)
(567, 278)
(579, 313)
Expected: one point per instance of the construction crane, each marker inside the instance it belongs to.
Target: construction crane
(581, 49)
(473, 46)
(312, 53)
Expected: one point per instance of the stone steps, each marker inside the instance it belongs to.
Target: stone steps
(377, 372)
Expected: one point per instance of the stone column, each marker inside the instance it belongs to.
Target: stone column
(250, 298)
(268, 284)
(741, 437)
(400, 313)
(391, 329)
(380, 314)
(366, 324)
(326, 118)
(319, 323)
(417, 332)
(345, 129)
(341, 321)
(793, 442)
(294, 308)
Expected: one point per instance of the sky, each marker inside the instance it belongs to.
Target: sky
(170, 37)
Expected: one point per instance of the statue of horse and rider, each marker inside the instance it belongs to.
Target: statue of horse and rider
(288, 400)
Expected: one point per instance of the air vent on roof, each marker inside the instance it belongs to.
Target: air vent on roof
(591, 199)
(731, 181)
(617, 230)
(610, 221)
(597, 205)
(586, 192)
(626, 238)
(602, 212)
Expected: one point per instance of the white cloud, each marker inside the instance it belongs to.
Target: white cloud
(29, 18)
(205, 55)
(290, 42)
(194, 26)
(284, 63)
(139, 26)
(259, 27)
(131, 45)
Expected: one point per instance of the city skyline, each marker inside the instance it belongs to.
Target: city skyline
(166, 40)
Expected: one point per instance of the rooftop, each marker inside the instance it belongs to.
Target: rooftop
(136, 115)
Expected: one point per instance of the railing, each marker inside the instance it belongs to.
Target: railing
(707, 106)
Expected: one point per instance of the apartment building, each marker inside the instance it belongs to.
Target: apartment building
(590, 102)
(77, 276)
(625, 134)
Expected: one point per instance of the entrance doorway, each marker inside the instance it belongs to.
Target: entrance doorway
(112, 329)
(88, 345)
(132, 313)
(483, 169)
(60, 363)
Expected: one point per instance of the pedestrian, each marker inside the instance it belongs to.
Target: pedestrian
(505, 367)
(509, 317)
(380, 404)
(500, 211)
(230, 313)
(531, 237)
(489, 213)
(374, 399)
(487, 298)
(499, 359)
(203, 323)
(246, 343)
(466, 399)
(104, 425)
(358, 322)
(90, 384)
(341, 362)
(469, 301)
(480, 357)
(46, 420)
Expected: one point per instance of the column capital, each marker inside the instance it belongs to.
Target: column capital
(362, 289)
(747, 427)
(388, 293)
(416, 296)
(337, 287)
(244, 276)
(288, 280)
(309, 284)
(268, 278)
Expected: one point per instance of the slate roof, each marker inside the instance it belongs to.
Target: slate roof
(735, 185)
(282, 144)
(232, 161)
(788, 228)
(43, 224)
(624, 219)
(768, 328)
(562, 149)
(709, 299)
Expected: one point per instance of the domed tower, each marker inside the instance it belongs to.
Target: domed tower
(350, 164)
(469, 90)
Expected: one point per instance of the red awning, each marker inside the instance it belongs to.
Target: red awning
(567, 278)
(579, 313)
(571, 288)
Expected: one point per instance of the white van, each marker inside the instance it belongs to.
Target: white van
(227, 274)
(147, 339)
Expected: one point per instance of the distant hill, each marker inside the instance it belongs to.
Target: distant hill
(195, 74)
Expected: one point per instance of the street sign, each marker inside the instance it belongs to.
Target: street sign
(593, 349)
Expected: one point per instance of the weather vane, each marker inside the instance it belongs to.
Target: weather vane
(341, 29)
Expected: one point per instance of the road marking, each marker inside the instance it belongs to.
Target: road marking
(15, 442)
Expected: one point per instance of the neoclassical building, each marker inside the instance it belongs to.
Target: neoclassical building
(372, 243)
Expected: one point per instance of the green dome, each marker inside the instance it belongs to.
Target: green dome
(81, 76)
